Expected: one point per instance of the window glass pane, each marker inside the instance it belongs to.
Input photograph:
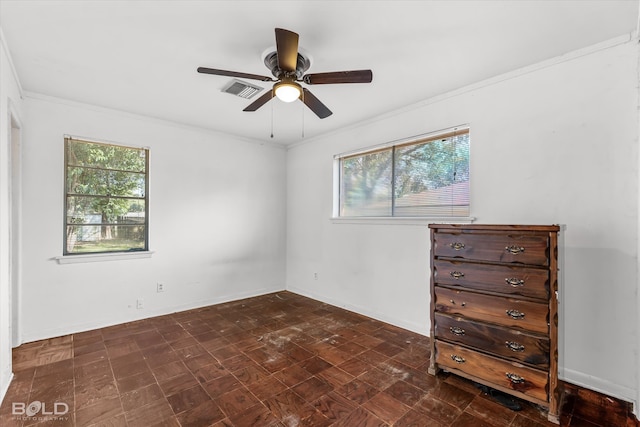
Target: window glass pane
(432, 178)
(82, 180)
(105, 156)
(104, 210)
(99, 238)
(366, 185)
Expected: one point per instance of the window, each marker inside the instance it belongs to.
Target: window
(425, 177)
(106, 198)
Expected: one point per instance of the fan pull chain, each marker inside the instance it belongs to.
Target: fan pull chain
(272, 120)
(302, 99)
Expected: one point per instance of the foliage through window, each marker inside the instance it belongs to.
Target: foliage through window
(106, 198)
(422, 178)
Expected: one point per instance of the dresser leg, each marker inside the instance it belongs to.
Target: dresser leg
(553, 418)
(554, 410)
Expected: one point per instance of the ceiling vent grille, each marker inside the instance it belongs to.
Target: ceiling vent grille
(241, 89)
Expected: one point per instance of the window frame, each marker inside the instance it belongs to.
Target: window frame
(112, 254)
(392, 145)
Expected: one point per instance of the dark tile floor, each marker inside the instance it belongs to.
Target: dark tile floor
(275, 360)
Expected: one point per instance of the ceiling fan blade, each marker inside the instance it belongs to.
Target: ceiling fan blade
(315, 104)
(266, 97)
(356, 76)
(287, 47)
(234, 74)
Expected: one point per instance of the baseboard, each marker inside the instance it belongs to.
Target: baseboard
(410, 326)
(574, 377)
(601, 386)
(103, 323)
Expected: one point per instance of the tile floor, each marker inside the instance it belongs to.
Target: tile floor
(275, 360)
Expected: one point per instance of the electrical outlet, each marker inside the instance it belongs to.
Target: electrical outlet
(160, 287)
(315, 276)
(139, 303)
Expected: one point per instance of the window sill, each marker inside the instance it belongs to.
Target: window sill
(77, 259)
(398, 220)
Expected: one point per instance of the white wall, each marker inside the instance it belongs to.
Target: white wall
(556, 143)
(217, 222)
(10, 105)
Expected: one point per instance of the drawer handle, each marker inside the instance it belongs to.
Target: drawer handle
(457, 358)
(514, 250)
(515, 379)
(456, 246)
(456, 274)
(515, 314)
(514, 346)
(456, 330)
(514, 281)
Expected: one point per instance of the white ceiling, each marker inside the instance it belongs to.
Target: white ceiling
(141, 56)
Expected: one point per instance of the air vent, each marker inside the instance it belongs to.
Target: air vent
(241, 89)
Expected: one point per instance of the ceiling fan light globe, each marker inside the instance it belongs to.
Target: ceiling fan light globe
(287, 92)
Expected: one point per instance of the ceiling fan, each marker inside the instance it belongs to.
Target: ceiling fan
(288, 66)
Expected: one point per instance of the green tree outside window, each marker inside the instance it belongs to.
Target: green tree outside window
(106, 204)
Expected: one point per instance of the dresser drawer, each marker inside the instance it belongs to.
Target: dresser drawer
(511, 343)
(524, 281)
(511, 248)
(503, 311)
(510, 375)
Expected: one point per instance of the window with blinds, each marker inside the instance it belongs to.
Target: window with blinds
(106, 198)
(426, 177)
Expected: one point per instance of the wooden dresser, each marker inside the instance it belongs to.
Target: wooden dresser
(494, 317)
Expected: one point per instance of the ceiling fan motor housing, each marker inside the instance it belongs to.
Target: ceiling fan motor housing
(271, 61)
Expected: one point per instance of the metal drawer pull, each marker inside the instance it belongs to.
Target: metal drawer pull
(513, 249)
(456, 274)
(456, 246)
(515, 379)
(514, 281)
(515, 314)
(457, 358)
(514, 346)
(456, 330)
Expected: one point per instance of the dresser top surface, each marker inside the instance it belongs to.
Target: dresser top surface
(495, 227)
